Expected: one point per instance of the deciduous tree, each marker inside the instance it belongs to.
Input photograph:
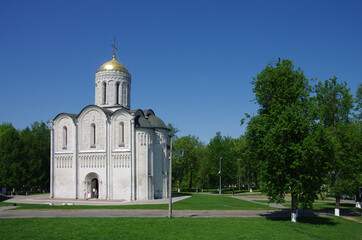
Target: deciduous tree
(287, 142)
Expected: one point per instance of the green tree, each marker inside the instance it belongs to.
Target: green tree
(185, 159)
(203, 167)
(172, 131)
(359, 102)
(335, 105)
(247, 163)
(222, 147)
(288, 143)
(39, 156)
(11, 166)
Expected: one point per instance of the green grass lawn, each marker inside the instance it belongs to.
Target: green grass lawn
(179, 228)
(216, 202)
(195, 202)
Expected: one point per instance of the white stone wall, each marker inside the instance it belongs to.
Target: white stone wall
(144, 142)
(92, 164)
(121, 176)
(76, 165)
(61, 122)
(112, 78)
(64, 176)
(163, 141)
(89, 116)
(160, 164)
(118, 118)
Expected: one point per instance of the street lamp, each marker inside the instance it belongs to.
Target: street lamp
(220, 174)
(170, 182)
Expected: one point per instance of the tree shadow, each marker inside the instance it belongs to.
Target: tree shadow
(305, 216)
(181, 194)
(4, 198)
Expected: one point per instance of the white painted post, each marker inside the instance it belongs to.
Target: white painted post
(336, 212)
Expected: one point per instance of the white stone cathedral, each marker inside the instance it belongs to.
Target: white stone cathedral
(108, 151)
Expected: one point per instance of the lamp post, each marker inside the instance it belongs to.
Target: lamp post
(220, 174)
(170, 182)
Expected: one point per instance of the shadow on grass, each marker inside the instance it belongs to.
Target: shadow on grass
(305, 216)
(181, 194)
(3, 198)
(307, 220)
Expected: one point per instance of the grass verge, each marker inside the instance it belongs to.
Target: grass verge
(195, 202)
(179, 228)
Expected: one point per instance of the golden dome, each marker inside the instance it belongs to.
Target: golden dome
(113, 65)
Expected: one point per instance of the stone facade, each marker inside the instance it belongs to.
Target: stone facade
(107, 149)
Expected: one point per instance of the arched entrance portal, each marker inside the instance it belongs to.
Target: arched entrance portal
(92, 183)
(94, 187)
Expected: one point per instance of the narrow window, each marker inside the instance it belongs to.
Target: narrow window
(117, 93)
(104, 93)
(93, 135)
(65, 137)
(121, 134)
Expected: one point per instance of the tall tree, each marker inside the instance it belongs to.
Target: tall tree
(185, 158)
(173, 131)
(24, 157)
(222, 147)
(11, 167)
(335, 105)
(359, 102)
(291, 159)
(39, 156)
(247, 163)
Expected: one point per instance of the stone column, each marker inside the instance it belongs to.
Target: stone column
(133, 161)
(76, 158)
(107, 160)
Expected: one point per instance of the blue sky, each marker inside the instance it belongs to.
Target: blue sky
(191, 61)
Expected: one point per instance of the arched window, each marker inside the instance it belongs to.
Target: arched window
(93, 135)
(65, 137)
(104, 99)
(121, 134)
(117, 93)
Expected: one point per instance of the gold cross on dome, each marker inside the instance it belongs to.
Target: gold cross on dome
(114, 47)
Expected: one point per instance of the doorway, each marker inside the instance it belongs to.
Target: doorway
(94, 188)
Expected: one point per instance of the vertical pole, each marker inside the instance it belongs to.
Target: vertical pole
(220, 174)
(51, 123)
(170, 182)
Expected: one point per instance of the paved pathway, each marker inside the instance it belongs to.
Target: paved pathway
(148, 213)
(44, 199)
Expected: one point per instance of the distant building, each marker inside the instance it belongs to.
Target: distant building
(108, 151)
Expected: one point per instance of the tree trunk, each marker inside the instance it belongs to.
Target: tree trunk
(190, 183)
(338, 201)
(294, 208)
(358, 200)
